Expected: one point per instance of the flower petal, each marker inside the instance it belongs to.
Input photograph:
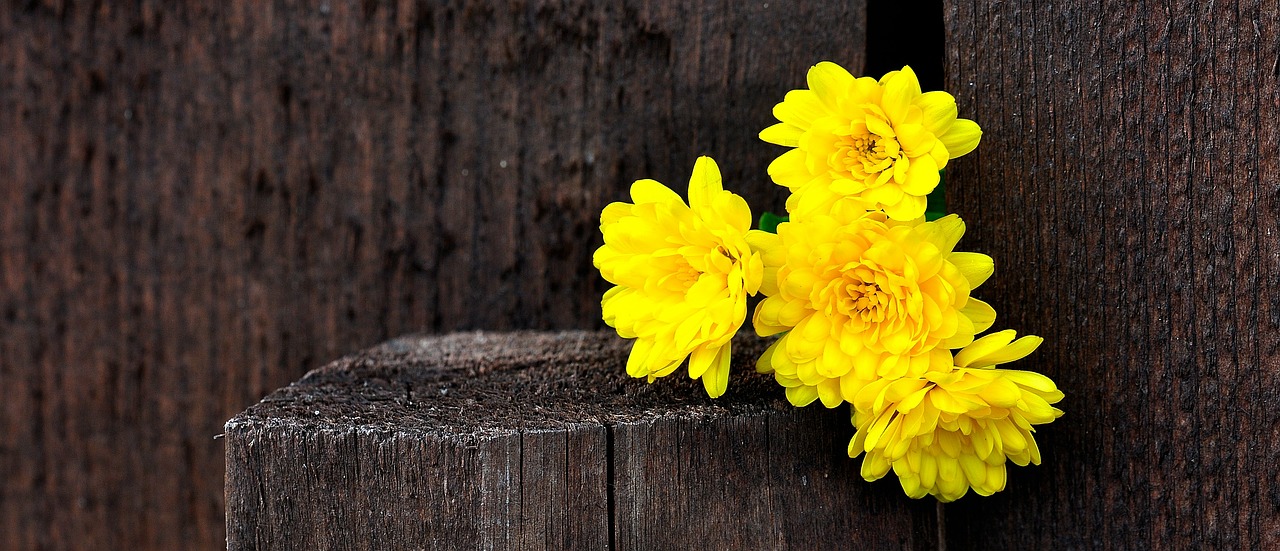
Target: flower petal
(1016, 350)
(704, 184)
(782, 134)
(790, 169)
(980, 313)
(983, 346)
(652, 191)
(701, 359)
(900, 90)
(938, 109)
(801, 396)
(829, 81)
(961, 138)
(716, 379)
(800, 108)
(921, 177)
(976, 267)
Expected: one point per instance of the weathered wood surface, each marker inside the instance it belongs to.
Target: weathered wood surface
(1128, 186)
(204, 199)
(540, 441)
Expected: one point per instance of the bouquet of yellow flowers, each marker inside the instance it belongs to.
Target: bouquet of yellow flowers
(872, 303)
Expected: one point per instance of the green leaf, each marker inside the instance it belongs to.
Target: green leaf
(936, 205)
(769, 221)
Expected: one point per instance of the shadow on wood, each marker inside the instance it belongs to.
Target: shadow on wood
(541, 441)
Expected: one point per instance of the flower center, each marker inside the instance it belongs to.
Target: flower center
(864, 153)
(849, 295)
(862, 299)
(722, 250)
(681, 275)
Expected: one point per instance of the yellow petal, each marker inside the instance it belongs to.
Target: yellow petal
(984, 346)
(916, 140)
(651, 191)
(880, 127)
(614, 212)
(765, 364)
(1010, 437)
(767, 318)
(1016, 350)
(874, 467)
(716, 379)
(996, 478)
(922, 177)
(665, 370)
(769, 281)
(975, 267)
(790, 169)
(850, 386)
(728, 209)
(1001, 392)
(637, 361)
(974, 469)
(911, 486)
(900, 90)
(829, 81)
(1032, 380)
(701, 358)
(980, 313)
(704, 184)
(769, 245)
(946, 402)
(938, 109)
(829, 393)
(945, 232)
(961, 138)
(909, 207)
(800, 108)
(754, 272)
(801, 396)
(782, 134)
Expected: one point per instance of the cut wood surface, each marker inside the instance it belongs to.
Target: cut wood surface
(540, 441)
(1128, 186)
(203, 200)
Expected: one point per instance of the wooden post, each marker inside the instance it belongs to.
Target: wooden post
(541, 441)
(1128, 186)
(203, 200)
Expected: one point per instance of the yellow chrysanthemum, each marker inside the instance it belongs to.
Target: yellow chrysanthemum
(861, 297)
(682, 275)
(946, 432)
(864, 144)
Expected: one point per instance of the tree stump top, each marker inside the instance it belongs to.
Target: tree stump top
(542, 441)
(493, 383)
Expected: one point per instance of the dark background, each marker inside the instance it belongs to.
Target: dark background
(202, 201)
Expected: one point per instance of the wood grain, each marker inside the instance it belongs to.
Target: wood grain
(540, 441)
(203, 200)
(1128, 187)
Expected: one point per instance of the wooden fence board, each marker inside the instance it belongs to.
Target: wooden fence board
(1128, 186)
(541, 441)
(205, 199)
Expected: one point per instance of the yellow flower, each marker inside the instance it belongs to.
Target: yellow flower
(861, 297)
(945, 432)
(682, 275)
(864, 144)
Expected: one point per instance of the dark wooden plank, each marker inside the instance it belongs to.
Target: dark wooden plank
(1127, 186)
(779, 480)
(203, 200)
(541, 441)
